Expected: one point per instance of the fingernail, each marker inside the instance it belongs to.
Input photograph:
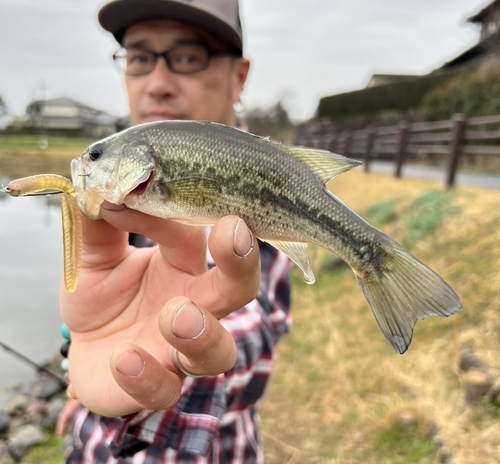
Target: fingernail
(243, 240)
(71, 392)
(189, 322)
(130, 364)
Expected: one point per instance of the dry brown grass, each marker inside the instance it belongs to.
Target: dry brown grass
(338, 384)
(339, 391)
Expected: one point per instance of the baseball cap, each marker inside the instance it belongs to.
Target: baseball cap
(220, 17)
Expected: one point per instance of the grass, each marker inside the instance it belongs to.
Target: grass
(338, 385)
(42, 142)
(49, 452)
(26, 156)
(403, 443)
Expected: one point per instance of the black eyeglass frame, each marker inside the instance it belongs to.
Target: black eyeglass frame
(165, 55)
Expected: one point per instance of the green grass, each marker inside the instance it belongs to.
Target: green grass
(423, 216)
(49, 452)
(33, 142)
(427, 213)
(403, 443)
(383, 213)
(24, 156)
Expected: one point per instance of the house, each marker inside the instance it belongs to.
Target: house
(383, 79)
(487, 49)
(65, 115)
(5, 118)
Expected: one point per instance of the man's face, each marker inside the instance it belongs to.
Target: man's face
(161, 95)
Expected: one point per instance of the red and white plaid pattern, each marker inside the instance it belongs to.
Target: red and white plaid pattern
(216, 419)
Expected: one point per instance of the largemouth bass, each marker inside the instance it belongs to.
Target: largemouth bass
(197, 172)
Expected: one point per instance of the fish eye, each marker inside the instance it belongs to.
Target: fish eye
(95, 154)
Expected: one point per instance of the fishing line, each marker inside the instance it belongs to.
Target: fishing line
(27, 360)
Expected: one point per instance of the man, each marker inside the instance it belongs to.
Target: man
(154, 329)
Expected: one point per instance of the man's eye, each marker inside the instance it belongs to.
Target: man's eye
(138, 58)
(188, 58)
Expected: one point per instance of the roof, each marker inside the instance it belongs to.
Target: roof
(85, 113)
(63, 101)
(381, 79)
(478, 17)
(472, 54)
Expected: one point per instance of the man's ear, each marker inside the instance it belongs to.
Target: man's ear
(241, 69)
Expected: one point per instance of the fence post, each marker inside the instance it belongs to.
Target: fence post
(333, 144)
(370, 138)
(401, 151)
(456, 142)
(347, 143)
(316, 141)
(328, 141)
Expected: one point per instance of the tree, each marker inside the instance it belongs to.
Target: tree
(270, 122)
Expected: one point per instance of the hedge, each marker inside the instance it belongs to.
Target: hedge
(397, 96)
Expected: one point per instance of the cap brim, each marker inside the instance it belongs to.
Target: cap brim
(118, 15)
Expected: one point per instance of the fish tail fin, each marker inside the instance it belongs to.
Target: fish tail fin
(404, 291)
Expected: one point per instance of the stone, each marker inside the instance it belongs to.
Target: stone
(445, 456)
(35, 412)
(494, 392)
(407, 418)
(4, 422)
(17, 405)
(54, 409)
(432, 429)
(477, 384)
(37, 407)
(23, 438)
(468, 360)
(18, 421)
(5, 457)
(46, 388)
(331, 264)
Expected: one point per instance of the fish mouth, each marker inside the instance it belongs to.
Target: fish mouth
(141, 188)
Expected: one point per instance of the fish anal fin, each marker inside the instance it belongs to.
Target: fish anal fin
(297, 252)
(324, 164)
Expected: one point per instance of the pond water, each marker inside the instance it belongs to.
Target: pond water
(30, 274)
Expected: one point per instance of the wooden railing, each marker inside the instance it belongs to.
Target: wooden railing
(451, 139)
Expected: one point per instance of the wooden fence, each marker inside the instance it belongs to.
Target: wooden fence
(451, 139)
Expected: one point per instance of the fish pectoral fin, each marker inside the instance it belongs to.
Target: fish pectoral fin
(297, 252)
(191, 191)
(324, 164)
(404, 291)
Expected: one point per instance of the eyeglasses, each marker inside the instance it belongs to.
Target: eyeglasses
(180, 59)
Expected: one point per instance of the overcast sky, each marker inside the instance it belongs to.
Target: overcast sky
(301, 49)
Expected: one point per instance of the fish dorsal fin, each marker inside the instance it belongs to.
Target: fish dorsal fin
(297, 252)
(324, 164)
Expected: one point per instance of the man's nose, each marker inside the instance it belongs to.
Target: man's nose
(162, 81)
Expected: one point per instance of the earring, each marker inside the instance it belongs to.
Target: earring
(238, 107)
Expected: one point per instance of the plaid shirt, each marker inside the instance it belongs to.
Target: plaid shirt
(216, 418)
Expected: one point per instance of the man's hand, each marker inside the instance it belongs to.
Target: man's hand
(132, 305)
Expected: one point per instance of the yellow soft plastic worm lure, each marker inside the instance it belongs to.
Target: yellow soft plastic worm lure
(44, 184)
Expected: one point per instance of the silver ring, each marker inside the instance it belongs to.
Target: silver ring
(174, 355)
